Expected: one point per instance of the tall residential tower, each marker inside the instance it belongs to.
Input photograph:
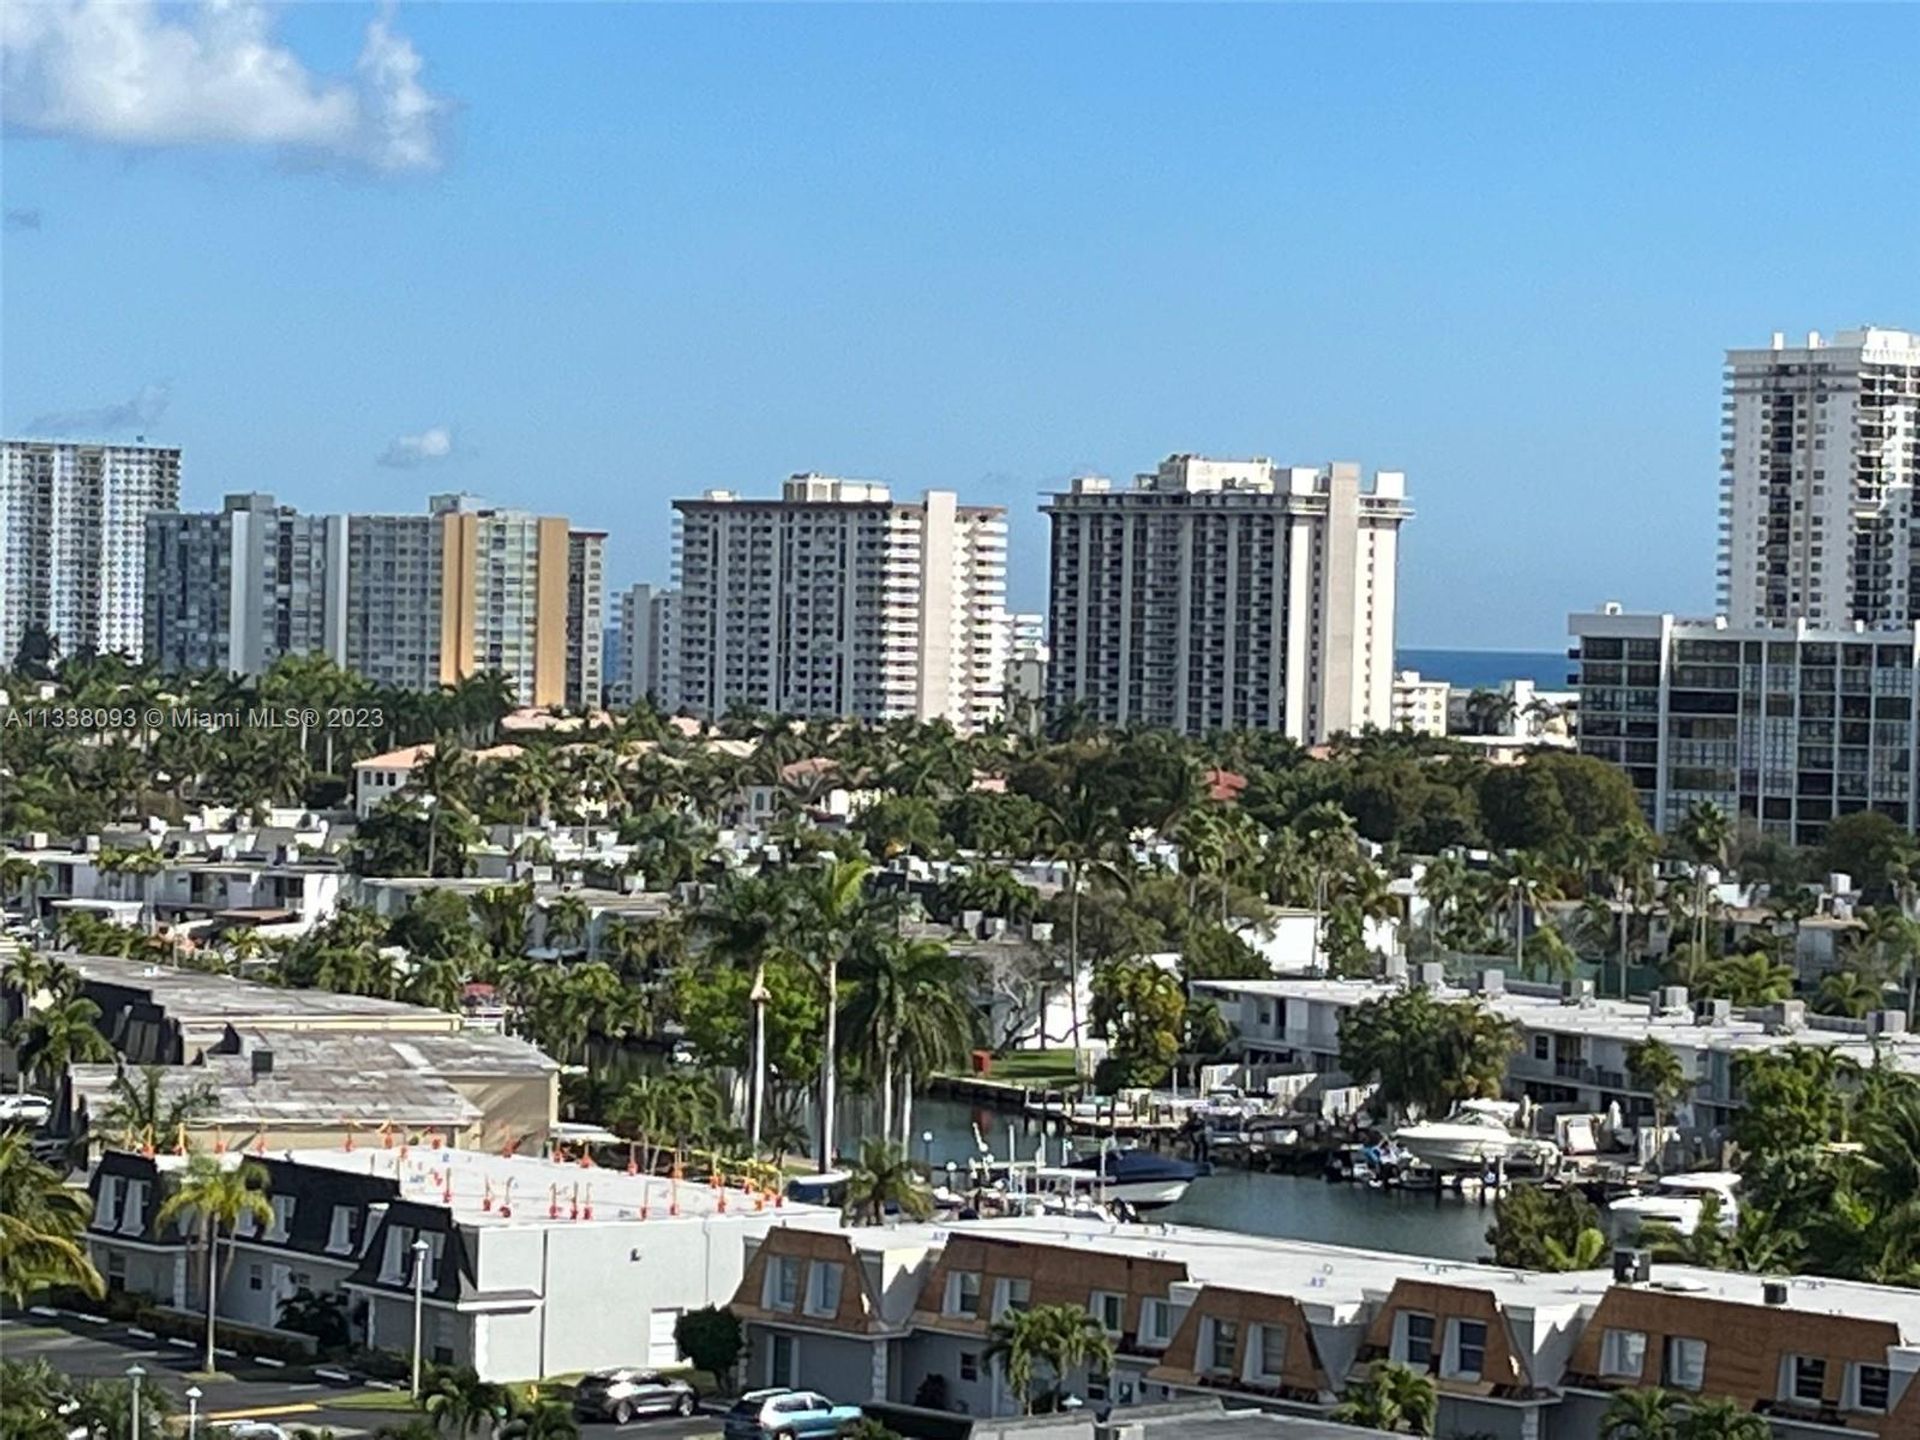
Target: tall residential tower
(838, 600)
(73, 540)
(1818, 476)
(1223, 594)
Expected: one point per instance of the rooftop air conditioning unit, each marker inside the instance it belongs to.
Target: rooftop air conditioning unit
(1887, 1022)
(1713, 1011)
(1493, 981)
(1774, 1292)
(1433, 975)
(1673, 999)
(1576, 992)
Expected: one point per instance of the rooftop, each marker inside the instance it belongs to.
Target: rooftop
(195, 996)
(489, 1190)
(1625, 1020)
(1345, 1276)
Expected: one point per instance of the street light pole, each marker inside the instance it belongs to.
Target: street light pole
(759, 996)
(193, 1410)
(926, 1151)
(419, 1305)
(134, 1376)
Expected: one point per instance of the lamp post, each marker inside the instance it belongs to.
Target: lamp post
(134, 1376)
(419, 1305)
(193, 1410)
(926, 1151)
(759, 996)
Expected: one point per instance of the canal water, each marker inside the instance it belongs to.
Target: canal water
(1300, 1207)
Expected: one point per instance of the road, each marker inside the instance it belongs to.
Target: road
(78, 1347)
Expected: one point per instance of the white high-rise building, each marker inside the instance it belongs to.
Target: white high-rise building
(838, 600)
(645, 648)
(1818, 476)
(73, 540)
(1227, 594)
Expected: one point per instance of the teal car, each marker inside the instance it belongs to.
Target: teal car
(782, 1414)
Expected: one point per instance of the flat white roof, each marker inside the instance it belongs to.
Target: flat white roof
(479, 1183)
(1342, 1276)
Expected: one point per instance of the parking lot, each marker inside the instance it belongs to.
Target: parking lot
(292, 1398)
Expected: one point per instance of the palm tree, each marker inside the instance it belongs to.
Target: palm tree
(63, 1032)
(1390, 1397)
(141, 1112)
(1721, 1419)
(567, 918)
(1640, 1415)
(1627, 854)
(543, 1420)
(1586, 1251)
(1525, 879)
(218, 1195)
(833, 915)
(1014, 1343)
(1084, 833)
(1069, 1337)
(1653, 1067)
(1705, 832)
(457, 1399)
(41, 1222)
(884, 1176)
(912, 1017)
(1847, 992)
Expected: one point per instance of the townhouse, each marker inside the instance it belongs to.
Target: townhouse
(905, 1315)
(1573, 1048)
(532, 1267)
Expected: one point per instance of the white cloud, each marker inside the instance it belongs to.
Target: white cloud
(407, 451)
(142, 411)
(125, 72)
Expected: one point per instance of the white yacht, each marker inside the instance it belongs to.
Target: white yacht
(1678, 1200)
(1476, 1132)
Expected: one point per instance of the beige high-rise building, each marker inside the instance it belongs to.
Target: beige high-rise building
(1227, 594)
(73, 540)
(838, 600)
(1818, 476)
(521, 594)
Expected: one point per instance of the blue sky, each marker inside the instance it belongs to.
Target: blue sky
(622, 253)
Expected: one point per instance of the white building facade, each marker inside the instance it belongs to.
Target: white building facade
(73, 540)
(1821, 457)
(645, 647)
(1419, 704)
(838, 600)
(1222, 594)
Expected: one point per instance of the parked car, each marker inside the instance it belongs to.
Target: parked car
(253, 1430)
(620, 1394)
(25, 1109)
(782, 1414)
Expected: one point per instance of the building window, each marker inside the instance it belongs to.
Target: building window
(1272, 1352)
(106, 1212)
(963, 1293)
(1110, 1310)
(282, 1216)
(969, 1365)
(256, 1278)
(340, 1233)
(1415, 1347)
(1623, 1353)
(1686, 1364)
(783, 1282)
(1156, 1323)
(823, 1288)
(133, 1211)
(1467, 1349)
(1807, 1379)
(1869, 1388)
(1010, 1295)
(117, 1280)
(1223, 1346)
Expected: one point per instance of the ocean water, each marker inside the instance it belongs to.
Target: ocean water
(1473, 669)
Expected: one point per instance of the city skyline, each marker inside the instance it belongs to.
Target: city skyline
(593, 260)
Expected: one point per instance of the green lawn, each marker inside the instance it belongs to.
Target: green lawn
(1032, 1067)
(391, 1400)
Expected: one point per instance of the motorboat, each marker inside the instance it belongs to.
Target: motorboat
(1477, 1132)
(1678, 1201)
(1142, 1179)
